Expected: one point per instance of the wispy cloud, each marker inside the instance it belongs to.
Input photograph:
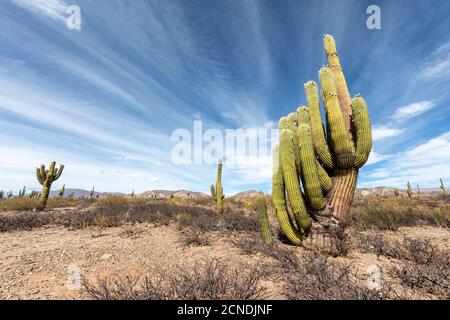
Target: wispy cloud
(381, 132)
(412, 110)
(424, 164)
(54, 9)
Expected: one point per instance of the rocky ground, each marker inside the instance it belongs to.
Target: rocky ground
(42, 264)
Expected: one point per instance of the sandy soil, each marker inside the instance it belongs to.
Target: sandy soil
(37, 264)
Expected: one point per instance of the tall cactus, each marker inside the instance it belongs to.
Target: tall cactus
(264, 220)
(442, 187)
(409, 190)
(46, 178)
(219, 188)
(325, 160)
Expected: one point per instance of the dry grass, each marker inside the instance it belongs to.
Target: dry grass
(391, 213)
(213, 279)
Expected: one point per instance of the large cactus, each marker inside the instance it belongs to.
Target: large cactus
(219, 190)
(46, 178)
(316, 168)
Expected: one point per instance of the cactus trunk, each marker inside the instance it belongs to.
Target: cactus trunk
(219, 189)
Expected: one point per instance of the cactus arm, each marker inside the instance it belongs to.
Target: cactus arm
(278, 196)
(318, 133)
(264, 220)
(341, 84)
(58, 173)
(361, 122)
(310, 175)
(290, 177)
(39, 178)
(43, 172)
(325, 181)
(341, 143)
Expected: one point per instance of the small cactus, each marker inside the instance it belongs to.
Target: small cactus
(442, 186)
(2, 194)
(264, 220)
(132, 195)
(219, 189)
(34, 194)
(213, 193)
(22, 192)
(62, 191)
(46, 178)
(409, 190)
(10, 194)
(91, 194)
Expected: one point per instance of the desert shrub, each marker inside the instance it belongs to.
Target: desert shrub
(19, 204)
(316, 277)
(194, 238)
(251, 244)
(393, 213)
(213, 279)
(25, 221)
(238, 221)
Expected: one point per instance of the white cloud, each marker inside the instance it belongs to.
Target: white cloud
(382, 132)
(424, 164)
(376, 157)
(412, 110)
(54, 9)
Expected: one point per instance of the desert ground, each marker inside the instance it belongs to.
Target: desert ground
(145, 248)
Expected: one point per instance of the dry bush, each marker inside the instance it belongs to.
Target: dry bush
(194, 238)
(251, 244)
(19, 204)
(393, 213)
(212, 279)
(238, 221)
(315, 277)
(108, 212)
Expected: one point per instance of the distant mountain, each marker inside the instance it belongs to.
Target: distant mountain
(77, 193)
(242, 196)
(167, 194)
(390, 191)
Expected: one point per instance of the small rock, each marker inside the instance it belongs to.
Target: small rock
(106, 256)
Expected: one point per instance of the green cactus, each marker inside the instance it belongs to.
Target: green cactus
(22, 192)
(132, 195)
(442, 186)
(325, 160)
(264, 220)
(62, 191)
(409, 190)
(278, 195)
(219, 189)
(213, 193)
(46, 178)
(34, 194)
(91, 193)
(2, 194)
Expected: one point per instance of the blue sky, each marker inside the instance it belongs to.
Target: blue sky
(105, 100)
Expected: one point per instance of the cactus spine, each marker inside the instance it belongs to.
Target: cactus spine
(46, 178)
(409, 190)
(219, 189)
(443, 187)
(264, 220)
(327, 160)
